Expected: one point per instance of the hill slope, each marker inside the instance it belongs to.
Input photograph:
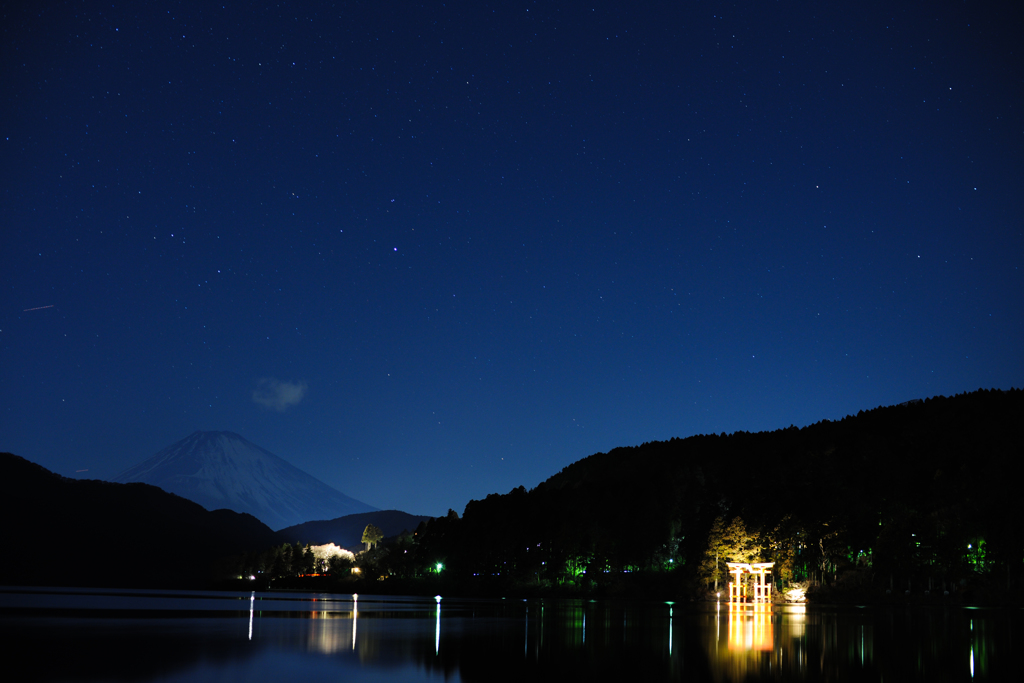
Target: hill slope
(61, 531)
(223, 470)
(347, 531)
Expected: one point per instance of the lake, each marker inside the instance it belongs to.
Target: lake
(139, 635)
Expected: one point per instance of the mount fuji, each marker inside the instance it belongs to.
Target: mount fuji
(223, 470)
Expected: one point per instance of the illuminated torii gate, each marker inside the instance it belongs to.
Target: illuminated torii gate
(762, 588)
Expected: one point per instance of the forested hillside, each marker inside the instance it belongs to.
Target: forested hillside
(921, 491)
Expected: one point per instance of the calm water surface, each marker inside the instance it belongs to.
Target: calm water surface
(119, 635)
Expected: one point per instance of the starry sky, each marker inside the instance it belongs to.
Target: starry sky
(431, 251)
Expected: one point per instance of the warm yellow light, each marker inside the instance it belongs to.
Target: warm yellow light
(762, 587)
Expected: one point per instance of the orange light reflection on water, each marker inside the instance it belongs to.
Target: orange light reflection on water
(750, 628)
(756, 640)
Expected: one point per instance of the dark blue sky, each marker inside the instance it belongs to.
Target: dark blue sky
(428, 252)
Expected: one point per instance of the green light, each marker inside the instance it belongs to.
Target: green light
(439, 566)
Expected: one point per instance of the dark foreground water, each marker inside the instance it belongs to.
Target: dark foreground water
(96, 635)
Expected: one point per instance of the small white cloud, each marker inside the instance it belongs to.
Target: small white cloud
(278, 395)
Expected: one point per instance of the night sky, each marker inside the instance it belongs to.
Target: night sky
(431, 251)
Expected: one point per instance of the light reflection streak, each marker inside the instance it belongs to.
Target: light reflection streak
(718, 625)
(355, 617)
(252, 601)
(437, 628)
(670, 631)
(526, 635)
(972, 648)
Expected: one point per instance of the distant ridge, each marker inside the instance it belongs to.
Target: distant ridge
(347, 531)
(224, 470)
